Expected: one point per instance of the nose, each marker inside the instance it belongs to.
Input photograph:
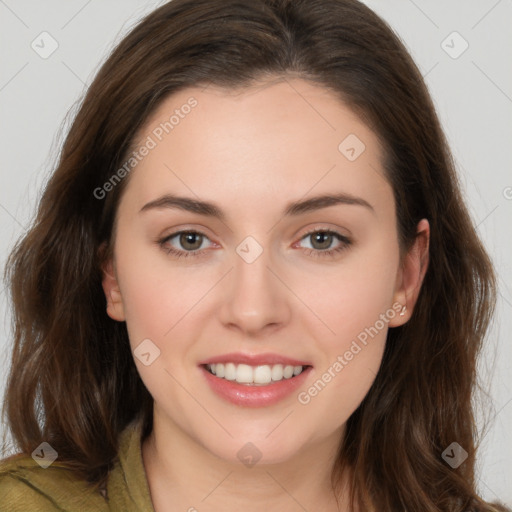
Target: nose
(255, 300)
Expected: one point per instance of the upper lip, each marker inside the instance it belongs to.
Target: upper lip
(255, 359)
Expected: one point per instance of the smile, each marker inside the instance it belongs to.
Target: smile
(254, 375)
(252, 393)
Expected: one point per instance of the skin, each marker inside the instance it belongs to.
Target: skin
(252, 151)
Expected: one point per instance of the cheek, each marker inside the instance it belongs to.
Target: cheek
(159, 302)
(338, 389)
(353, 294)
(157, 294)
(354, 302)
(351, 356)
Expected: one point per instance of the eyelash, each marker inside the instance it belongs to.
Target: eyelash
(316, 253)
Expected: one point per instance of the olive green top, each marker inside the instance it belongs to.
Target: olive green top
(25, 486)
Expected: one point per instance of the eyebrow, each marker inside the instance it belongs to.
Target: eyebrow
(295, 208)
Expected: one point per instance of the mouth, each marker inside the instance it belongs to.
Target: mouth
(257, 375)
(261, 380)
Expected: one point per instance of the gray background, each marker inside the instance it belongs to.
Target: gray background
(472, 92)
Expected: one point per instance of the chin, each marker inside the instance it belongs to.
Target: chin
(255, 447)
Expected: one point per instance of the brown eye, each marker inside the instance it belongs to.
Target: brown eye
(184, 244)
(321, 240)
(190, 240)
(321, 243)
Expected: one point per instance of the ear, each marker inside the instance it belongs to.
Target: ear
(115, 308)
(411, 274)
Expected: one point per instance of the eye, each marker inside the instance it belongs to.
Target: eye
(191, 241)
(322, 240)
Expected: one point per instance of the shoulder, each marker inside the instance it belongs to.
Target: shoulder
(24, 485)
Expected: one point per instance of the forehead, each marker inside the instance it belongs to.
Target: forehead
(271, 140)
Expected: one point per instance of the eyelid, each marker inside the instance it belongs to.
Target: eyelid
(327, 229)
(166, 238)
(310, 231)
(343, 239)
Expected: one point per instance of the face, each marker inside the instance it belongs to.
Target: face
(264, 274)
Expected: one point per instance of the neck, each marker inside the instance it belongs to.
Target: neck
(183, 475)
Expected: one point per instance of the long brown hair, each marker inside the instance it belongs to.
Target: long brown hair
(73, 382)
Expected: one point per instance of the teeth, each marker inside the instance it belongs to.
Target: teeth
(256, 375)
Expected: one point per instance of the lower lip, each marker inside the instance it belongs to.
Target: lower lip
(254, 396)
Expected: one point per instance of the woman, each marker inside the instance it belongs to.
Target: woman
(294, 356)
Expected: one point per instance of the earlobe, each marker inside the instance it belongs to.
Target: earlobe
(411, 275)
(115, 309)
